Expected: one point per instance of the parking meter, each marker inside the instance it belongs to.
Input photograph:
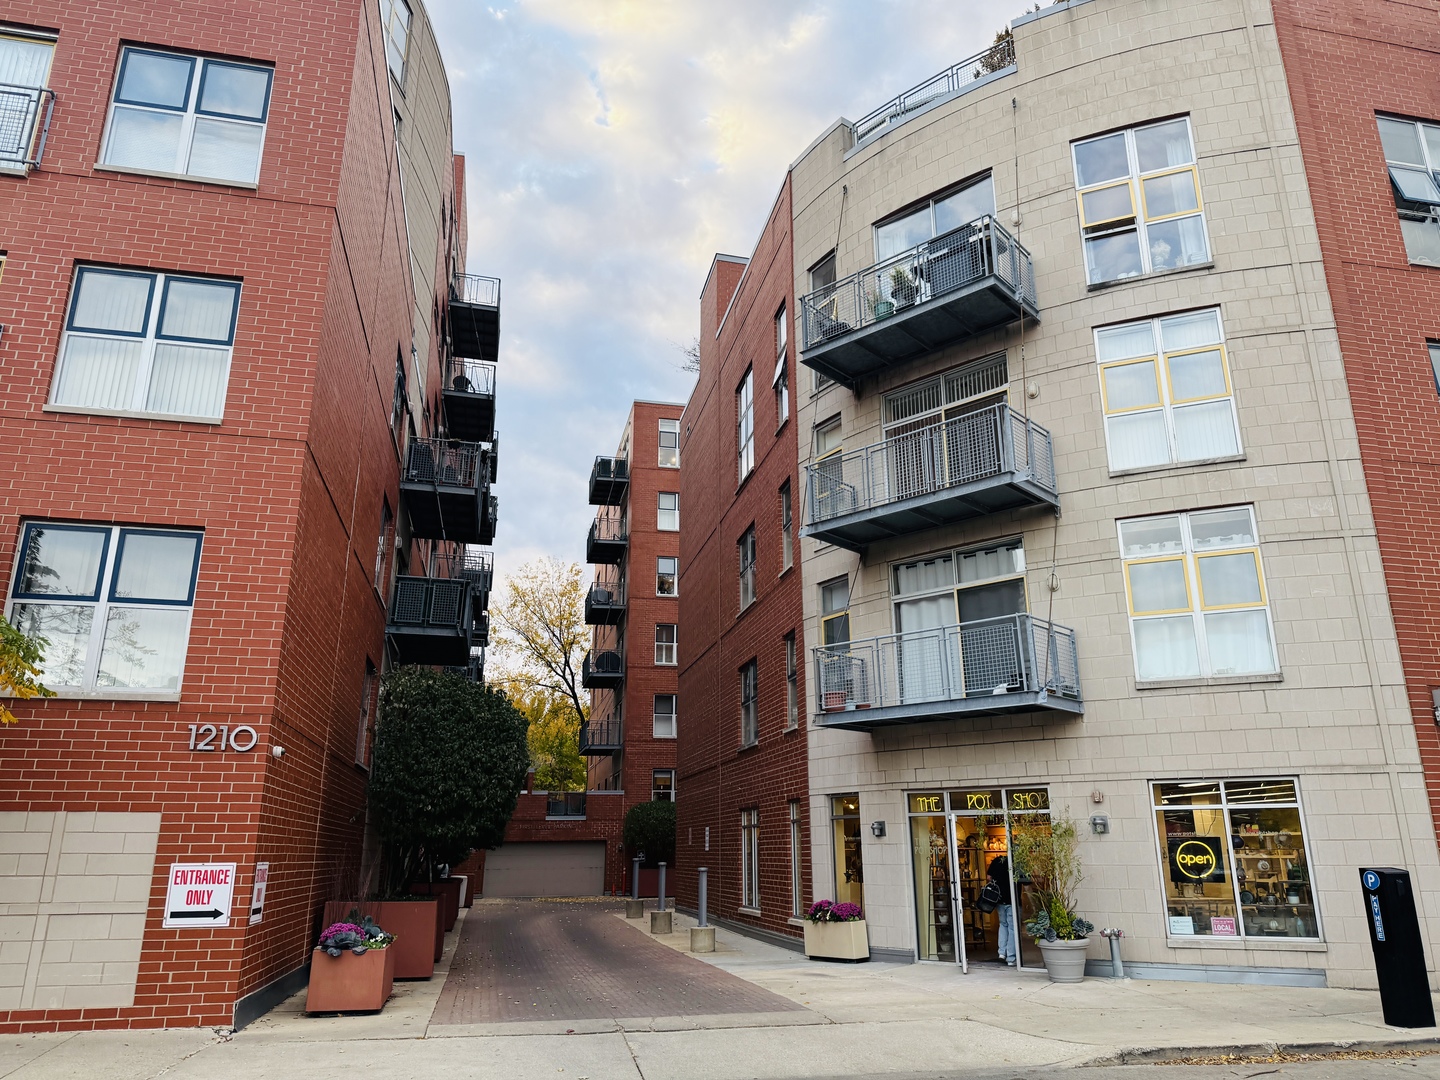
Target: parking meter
(1399, 951)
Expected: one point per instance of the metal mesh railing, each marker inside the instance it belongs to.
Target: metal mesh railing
(956, 77)
(445, 463)
(24, 124)
(607, 593)
(951, 261)
(604, 662)
(469, 376)
(609, 528)
(476, 289)
(610, 468)
(473, 564)
(986, 658)
(961, 450)
(600, 734)
(474, 670)
(565, 804)
(429, 602)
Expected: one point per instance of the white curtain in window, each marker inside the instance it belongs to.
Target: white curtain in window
(1191, 331)
(927, 661)
(144, 648)
(25, 63)
(188, 380)
(156, 566)
(992, 562)
(922, 576)
(115, 302)
(225, 151)
(1239, 643)
(1206, 430)
(1165, 648)
(98, 373)
(1125, 342)
(140, 139)
(198, 310)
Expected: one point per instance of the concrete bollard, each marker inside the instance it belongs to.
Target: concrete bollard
(634, 909)
(661, 906)
(660, 922)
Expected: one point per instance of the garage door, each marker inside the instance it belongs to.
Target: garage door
(545, 869)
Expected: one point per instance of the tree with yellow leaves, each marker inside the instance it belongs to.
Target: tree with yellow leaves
(553, 736)
(20, 658)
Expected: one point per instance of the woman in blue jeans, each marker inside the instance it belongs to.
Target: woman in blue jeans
(999, 872)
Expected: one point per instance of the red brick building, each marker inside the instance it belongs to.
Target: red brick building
(743, 808)
(224, 359)
(1367, 111)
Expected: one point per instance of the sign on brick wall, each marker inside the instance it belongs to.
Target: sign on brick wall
(199, 895)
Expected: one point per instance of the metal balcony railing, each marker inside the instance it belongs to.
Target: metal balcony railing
(476, 289)
(609, 481)
(429, 602)
(471, 563)
(978, 664)
(609, 529)
(446, 464)
(953, 79)
(470, 376)
(565, 804)
(989, 442)
(602, 668)
(24, 124)
(602, 736)
(474, 670)
(952, 261)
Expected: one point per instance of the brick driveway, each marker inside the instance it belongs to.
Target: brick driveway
(539, 960)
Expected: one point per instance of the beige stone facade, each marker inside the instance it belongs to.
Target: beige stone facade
(1335, 718)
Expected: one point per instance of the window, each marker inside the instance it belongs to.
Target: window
(749, 706)
(398, 400)
(1139, 196)
(24, 72)
(1234, 846)
(113, 602)
(157, 344)
(669, 444)
(395, 27)
(1197, 595)
(787, 528)
(1412, 156)
(668, 518)
(849, 861)
(665, 643)
(664, 724)
(745, 424)
(829, 494)
(822, 276)
(1165, 388)
(781, 381)
(667, 576)
(938, 216)
(792, 684)
(662, 785)
(382, 544)
(750, 859)
(362, 734)
(1433, 346)
(835, 612)
(188, 115)
(746, 548)
(797, 868)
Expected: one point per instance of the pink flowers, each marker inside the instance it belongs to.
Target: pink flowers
(823, 911)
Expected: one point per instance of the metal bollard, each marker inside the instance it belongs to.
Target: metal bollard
(704, 894)
(662, 888)
(635, 878)
(1117, 968)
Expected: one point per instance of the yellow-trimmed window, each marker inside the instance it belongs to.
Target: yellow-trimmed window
(1196, 595)
(1166, 391)
(1139, 196)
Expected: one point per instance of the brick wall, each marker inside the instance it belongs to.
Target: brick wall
(718, 779)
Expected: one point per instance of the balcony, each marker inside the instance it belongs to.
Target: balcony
(444, 489)
(605, 603)
(982, 462)
(998, 59)
(609, 481)
(474, 670)
(494, 456)
(430, 621)
(601, 737)
(481, 632)
(472, 564)
(607, 542)
(469, 396)
(602, 670)
(957, 286)
(475, 317)
(24, 125)
(565, 804)
(1009, 664)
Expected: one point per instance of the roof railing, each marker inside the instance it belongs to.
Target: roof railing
(953, 79)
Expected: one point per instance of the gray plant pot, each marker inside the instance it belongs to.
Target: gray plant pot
(1064, 960)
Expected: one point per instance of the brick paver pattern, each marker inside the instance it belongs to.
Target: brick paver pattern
(539, 960)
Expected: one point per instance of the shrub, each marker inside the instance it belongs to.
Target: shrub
(650, 827)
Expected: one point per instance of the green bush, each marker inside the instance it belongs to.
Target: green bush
(650, 827)
(450, 760)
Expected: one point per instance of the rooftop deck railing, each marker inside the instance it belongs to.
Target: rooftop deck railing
(24, 124)
(952, 261)
(990, 441)
(476, 289)
(997, 57)
(565, 804)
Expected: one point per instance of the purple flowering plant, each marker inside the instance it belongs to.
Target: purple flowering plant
(359, 938)
(827, 911)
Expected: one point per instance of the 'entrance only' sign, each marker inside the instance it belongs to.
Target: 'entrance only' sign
(199, 895)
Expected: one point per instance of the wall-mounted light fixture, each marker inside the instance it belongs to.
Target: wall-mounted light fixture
(878, 828)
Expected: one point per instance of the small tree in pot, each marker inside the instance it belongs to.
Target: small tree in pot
(1045, 850)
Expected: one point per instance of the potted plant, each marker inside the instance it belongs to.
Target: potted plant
(414, 920)
(1045, 851)
(902, 287)
(880, 307)
(836, 932)
(352, 969)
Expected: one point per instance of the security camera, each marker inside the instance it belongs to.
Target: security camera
(277, 752)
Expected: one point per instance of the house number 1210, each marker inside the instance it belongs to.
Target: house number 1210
(241, 738)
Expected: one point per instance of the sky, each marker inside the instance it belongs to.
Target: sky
(612, 148)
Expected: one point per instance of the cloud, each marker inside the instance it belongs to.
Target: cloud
(612, 147)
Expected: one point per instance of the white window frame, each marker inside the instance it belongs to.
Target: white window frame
(745, 426)
(660, 719)
(1167, 402)
(750, 704)
(787, 527)
(745, 549)
(149, 338)
(660, 571)
(672, 459)
(750, 860)
(797, 861)
(103, 600)
(666, 651)
(792, 682)
(673, 511)
(1419, 217)
(389, 22)
(1137, 220)
(781, 379)
(1197, 609)
(37, 102)
(655, 791)
(190, 113)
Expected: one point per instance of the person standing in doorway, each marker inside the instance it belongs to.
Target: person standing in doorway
(999, 873)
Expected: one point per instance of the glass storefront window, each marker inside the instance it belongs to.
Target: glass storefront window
(849, 861)
(1233, 859)
(934, 909)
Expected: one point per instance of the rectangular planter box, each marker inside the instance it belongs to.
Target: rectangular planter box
(419, 937)
(837, 941)
(467, 894)
(449, 892)
(350, 983)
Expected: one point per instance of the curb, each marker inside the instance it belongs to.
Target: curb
(1141, 1055)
